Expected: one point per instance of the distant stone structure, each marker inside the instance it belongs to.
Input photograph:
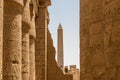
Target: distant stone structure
(75, 72)
(100, 42)
(54, 72)
(26, 46)
(60, 58)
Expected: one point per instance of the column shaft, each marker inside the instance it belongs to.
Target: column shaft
(12, 39)
(25, 41)
(32, 46)
(1, 35)
(32, 59)
(41, 43)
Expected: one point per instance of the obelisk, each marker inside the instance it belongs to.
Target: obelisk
(60, 47)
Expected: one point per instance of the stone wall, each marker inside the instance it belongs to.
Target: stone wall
(100, 39)
(74, 71)
(111, 37)
(68, 77)
(51, 64)
(54, 72)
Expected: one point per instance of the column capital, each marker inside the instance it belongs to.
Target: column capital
(20, 2)
(44, 3)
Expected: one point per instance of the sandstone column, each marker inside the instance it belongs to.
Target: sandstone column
(25, 41)
(60, 47)
(41, 44)
(41, 41)
(1, 35)
(32, 44)
(12, 39)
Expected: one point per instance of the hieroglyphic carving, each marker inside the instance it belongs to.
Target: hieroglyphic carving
(108, 1)
(12, 40)
(107, 36)
(117, 73)
(25, 41)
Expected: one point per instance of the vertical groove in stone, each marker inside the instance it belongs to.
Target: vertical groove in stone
(12, 39)
(32, 59)
(25, 41)
(32, 47)
(1, 35)
(41, 43)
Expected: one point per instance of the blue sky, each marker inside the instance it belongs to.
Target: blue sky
(66, 12)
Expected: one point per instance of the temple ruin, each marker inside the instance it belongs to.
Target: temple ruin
(100, 42)
(26, 45)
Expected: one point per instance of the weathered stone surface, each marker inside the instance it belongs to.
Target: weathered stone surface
(32, 58)
(1, 37)
(92, 39)
(51, 64)
(74, 72)
(54, 72)
(100, 42)
(12, 39)
(32, 44)
(68, 77)
(28, 48)
(25, 41)
(41, 42)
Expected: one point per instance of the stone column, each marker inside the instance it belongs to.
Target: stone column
(25, 41)
(12, 39)
(32, 44)
(1, 35)
(41, 42)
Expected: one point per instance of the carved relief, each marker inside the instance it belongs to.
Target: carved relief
(115, 57)
(108, 1)
(107, 36)
(117, 73)
(105, 40)
(90, 52)
(12, 40)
